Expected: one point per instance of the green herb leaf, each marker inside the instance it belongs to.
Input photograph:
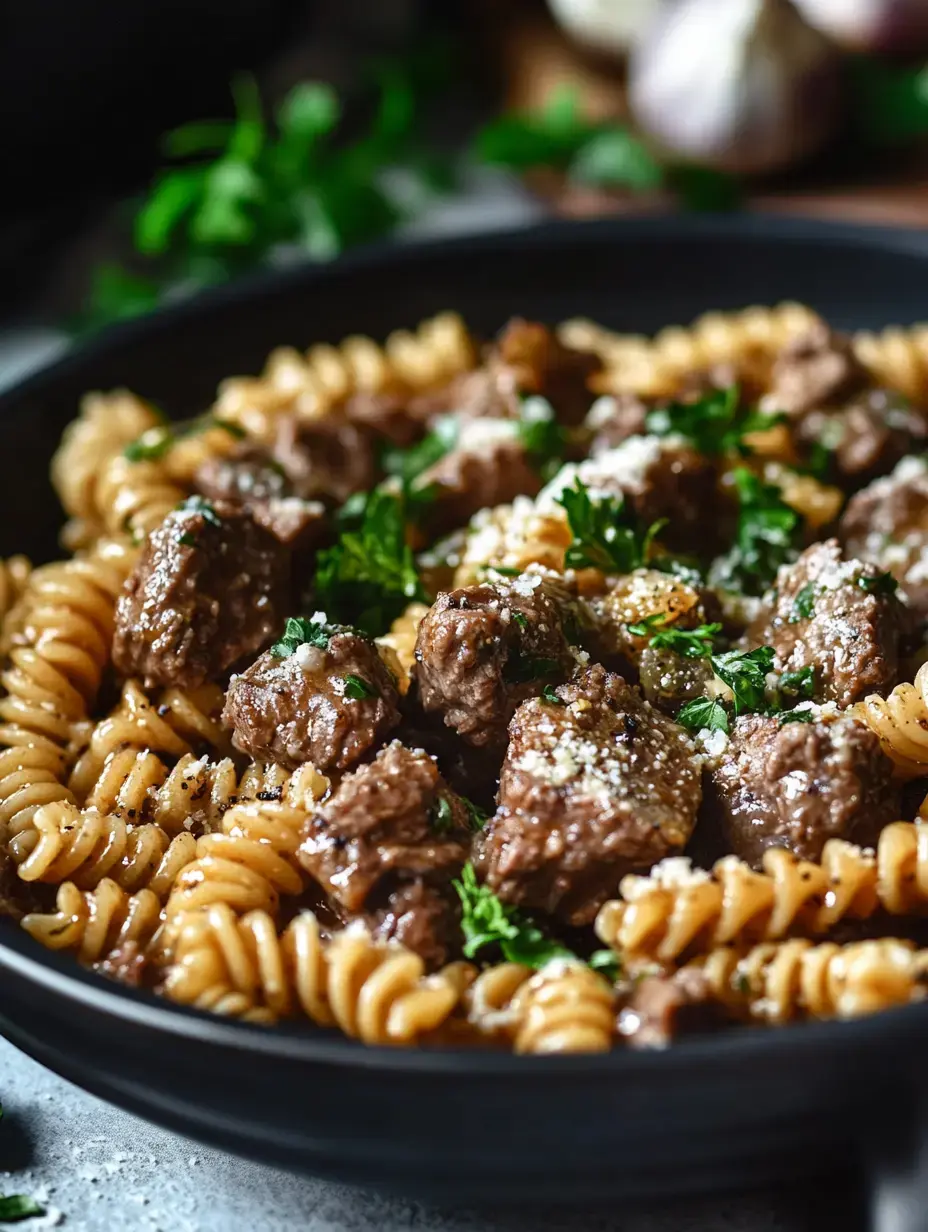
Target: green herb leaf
(442, 816)
(486, 921)
(615, 157)
(795, 686)
(187, 539)
(543, 438)
(173, 197)
(357, 688)
(795, 716)
(714, 424)
(606, 532)
(302, 632)
(607, 963)
(549, 695)
(704, 713)
(690, 643)
(369, 576)
(14, 1207)
(803, 604)
(199, 504)
(408, 464)
(768, 532)
(477, 818)
(521, 620)
(879, 584)
(890, 102)
(520, 669)
(150, 446)
(745, 673)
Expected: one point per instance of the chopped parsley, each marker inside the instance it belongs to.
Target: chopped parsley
(154, 443)
(704, 713)
(543, 438)
(549, 695)
(745, 673)
(879, 584)
(302, 632)
(521, 620)
(520, 669)
(607, 534)
(690, 643)
(477, 818)
(714, 424)
(486, 921)
(607, 963)
(199, 504)
(14, 1207)
(408, 464)
(369, 576)
(796, 716)
(767, 535)
(803, 604)
(188, 540)
(796, 686)
(442, 816)
(357, 688)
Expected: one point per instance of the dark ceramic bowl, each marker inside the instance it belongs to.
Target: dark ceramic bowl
(726, 1110)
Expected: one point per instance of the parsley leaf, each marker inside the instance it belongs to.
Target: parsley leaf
(796, 716)
(477, 818)
(408, 464)
(543, 438)
(714, 424)
(14, 1207)
(690, 643)
(300, 632)
(442, 816)
(485, 921)
(549, 695)
(607, 963)
(155, 442)
(369, 576)
(879, 584)
(803, 604)
(357, 688)
(522, 668)
(702, 713)
(768, 530)
(199, 504)
(745, 673)
(794, 686)
(606, 532)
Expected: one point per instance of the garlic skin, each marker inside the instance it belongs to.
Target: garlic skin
(743, 86)
(610, 26)
(871, 25)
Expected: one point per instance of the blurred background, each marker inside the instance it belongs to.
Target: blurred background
(159, 146)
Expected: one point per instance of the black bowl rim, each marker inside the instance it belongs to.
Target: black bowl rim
(60, 975)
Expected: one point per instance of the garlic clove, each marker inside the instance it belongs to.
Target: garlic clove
(605, 25)
(871, 25)
(744, 86)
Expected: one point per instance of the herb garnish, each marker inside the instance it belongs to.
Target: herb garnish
(477, 818)
(704, 713)
(607, 963)
(690, 643)
(521, 668)
(543, 438)
(357, 688)
(768, 530)
(796, 686)
(796, 716)
(879, 584)
(803, 604)
(549, 695)
(607, 534)
(745, 672)
(521, 620)
(486, 921)
(369, 576)
(714, 424)
(442, 816)
(302, 632)
(155, 442)
(14, 1207)
(199, 504)
(408, 464)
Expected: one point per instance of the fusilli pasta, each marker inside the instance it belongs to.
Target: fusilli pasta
(901, 723)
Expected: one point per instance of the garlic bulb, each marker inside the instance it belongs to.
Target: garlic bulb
(871, 25)
(744, 86)
(605, 25)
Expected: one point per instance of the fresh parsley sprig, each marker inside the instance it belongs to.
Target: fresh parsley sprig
(767, 535)
(544, 440)
(14, 1207)
(155, 442)
(690, 643)
(368, 577)
(299, 631)
(746, 674)
(715, 424)
(486, 921)
(408, 464)
(357, 689)
(607, 533)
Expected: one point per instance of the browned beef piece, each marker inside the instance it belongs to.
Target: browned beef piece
(391, 415)
(255, 482)
(815, 371)
(887, 523)
(836, 616)
(593, 788)
(422, 917)
(527, 358)
(868, 436)
(481, 650)
(798, 785)
(669, 680)
(329, 706)
(209, 588)
(328, 459)
(664, 1007)
(613, 419)
(387, 843)
(468, 480)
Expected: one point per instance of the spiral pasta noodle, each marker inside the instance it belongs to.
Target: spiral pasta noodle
(897, 358)
(93, 923)
(565, 1007)
(674, 910)
(14, 574)
(373, 992)
(779, 981)
(900, 721)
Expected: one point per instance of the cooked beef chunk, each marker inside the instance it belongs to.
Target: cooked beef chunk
(209, 588)
(669, 680)
(592, 788)
(421, 917)
(256, 483)
(637, 596)
(664, 1007)
(527, 358)
(868, 436)
(798, 785)
(387, 843)
(834, 615)
(481, 650)
(815, 371)
(328, 459)
(467, 480)
(887, 523)
(390, 415)
(613, 418)
(305, 707)
(662, 479)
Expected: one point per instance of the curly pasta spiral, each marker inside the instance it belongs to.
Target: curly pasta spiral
(565, 1008)
(513, 537)
(897, 358)
(777, 982)
(376, 993)
(900, 721)
(673, 910)
(94, 922)
(14, 574)
(62, 843)
(312, 384)
(135, 497)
